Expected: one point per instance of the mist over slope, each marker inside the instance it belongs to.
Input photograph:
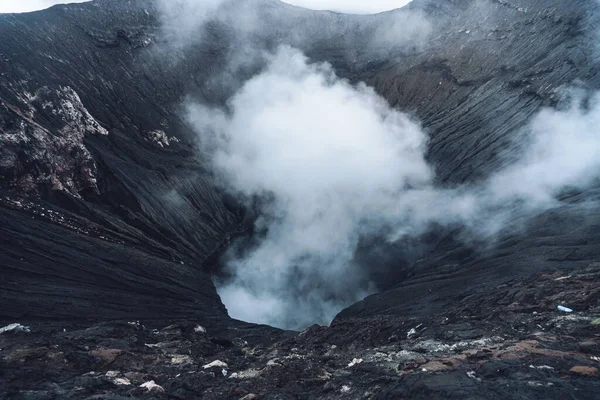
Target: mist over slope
(333, 164)
(330, 160)
(456, 88)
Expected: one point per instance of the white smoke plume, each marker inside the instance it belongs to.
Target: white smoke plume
(329, 163)
(333, 158)
(562, 153)
(335, 163)
(183, 21)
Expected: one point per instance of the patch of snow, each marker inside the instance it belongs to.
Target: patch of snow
(355, 361)
(216, 363)
(199, 329)
(160, 138)
(325, 376)
(562, 278)
(540, 384)
(122, 382)
(179, 359)
(112, 374)
(14, 328)
(542, 367)
(247, 374)
(295, 357)
(560, 320)
(381, 356)
(435, 346)
(224, 372)
(274, 363)
(72, 111)
(413, 331)
(151, 386)
(404, 355)
(345, 389)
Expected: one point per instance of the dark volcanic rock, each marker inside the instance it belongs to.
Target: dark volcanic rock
(489, 68)
(510, 353)
(107, 213)
(132, 215)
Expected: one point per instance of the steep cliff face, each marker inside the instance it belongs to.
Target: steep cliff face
(92, 132)
(93, 129)
(482, 79)
(104, 194)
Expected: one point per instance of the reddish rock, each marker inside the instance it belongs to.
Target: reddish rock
(106, 355)
(585, 371)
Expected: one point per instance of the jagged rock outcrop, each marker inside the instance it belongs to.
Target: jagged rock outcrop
(34, 156)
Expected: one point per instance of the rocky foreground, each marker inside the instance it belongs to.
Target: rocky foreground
(510, 342)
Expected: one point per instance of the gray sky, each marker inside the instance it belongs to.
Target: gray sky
(350, 6)
(9, 6)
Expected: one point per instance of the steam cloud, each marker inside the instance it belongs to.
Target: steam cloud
(329, 163)
(336, 163)
(563, 153)
(351, 6)
(333, 158)
(248, 22)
